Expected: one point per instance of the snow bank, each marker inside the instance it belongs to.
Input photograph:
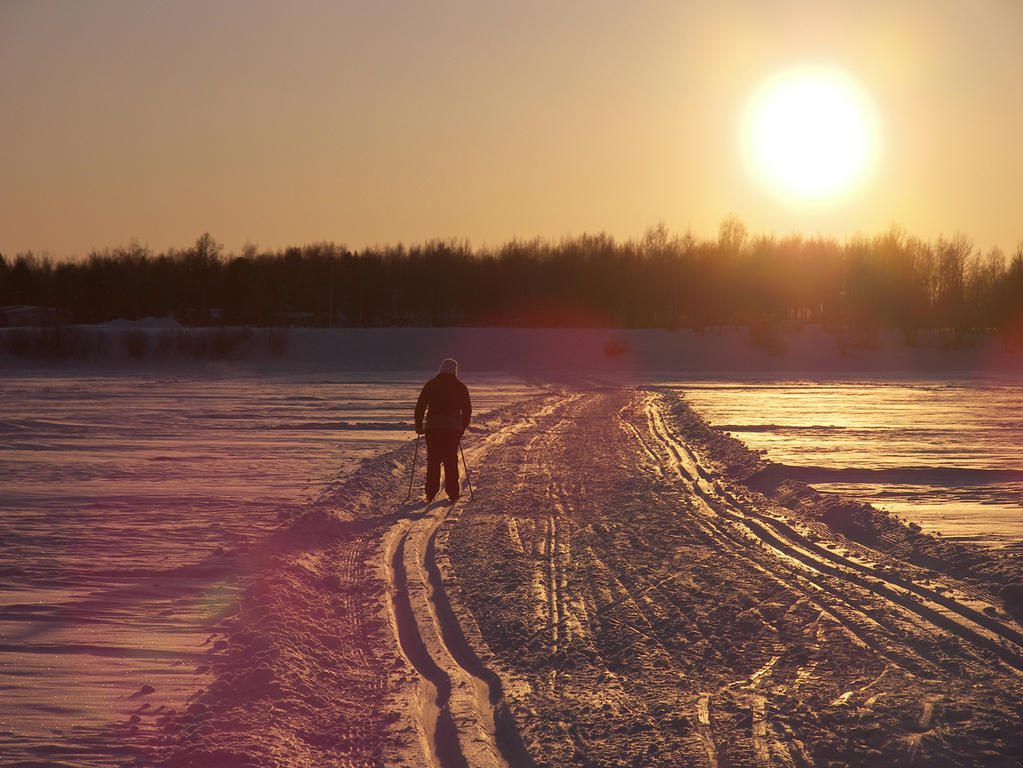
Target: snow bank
(725, 350)
(720, 351)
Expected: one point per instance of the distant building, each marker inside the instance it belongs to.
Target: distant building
(21, 315)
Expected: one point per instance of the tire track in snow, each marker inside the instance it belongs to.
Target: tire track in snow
(928, 605)
(553, 599)
(704, 729)
(717, 534)
(554, 529)
(767, 749)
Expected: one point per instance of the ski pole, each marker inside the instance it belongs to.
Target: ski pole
(413, 475)
(466, 466)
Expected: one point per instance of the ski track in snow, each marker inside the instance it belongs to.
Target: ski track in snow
(463, 718)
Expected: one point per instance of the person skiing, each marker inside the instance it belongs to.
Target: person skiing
(444, 402)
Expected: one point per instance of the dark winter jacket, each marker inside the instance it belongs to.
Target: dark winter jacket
(445, 403)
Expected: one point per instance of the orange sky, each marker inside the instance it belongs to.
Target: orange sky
(377, 122)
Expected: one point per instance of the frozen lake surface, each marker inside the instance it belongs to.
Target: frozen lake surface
(124, 498)
(946, 455)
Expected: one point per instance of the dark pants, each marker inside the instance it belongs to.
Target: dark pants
(442, 448)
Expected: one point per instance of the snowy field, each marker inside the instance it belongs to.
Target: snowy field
(130, 499)
(126, 500)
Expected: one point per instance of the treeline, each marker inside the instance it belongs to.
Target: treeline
(892, 280)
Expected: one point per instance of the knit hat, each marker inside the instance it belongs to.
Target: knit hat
(449, 366)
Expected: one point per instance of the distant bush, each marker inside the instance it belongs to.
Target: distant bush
(857, 340)
(202, 343)
(615, 347)
(957, 338)
(78, 342)
(1012, 337)
(277, 341)
(767, 337)
(52, 343)
(135, 342)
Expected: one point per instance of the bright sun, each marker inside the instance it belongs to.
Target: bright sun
(811, 134)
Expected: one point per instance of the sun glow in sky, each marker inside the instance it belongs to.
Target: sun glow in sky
(382, 121)
(811, 134)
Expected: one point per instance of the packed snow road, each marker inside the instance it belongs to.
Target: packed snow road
(645, 607)
(628, 587)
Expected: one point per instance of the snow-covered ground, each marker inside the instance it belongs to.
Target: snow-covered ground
(199, 554)
(944, 454)
(625, 587)
(127, 501)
